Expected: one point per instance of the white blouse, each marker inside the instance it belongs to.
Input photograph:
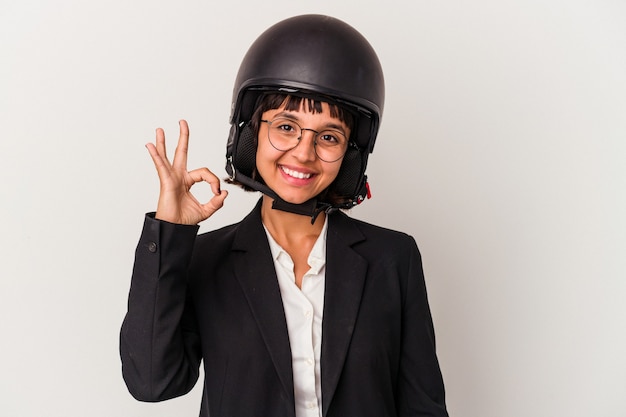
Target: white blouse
(304, 309)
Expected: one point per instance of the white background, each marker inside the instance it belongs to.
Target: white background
(502, 151)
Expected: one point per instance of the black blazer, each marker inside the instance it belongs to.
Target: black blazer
(215, 297)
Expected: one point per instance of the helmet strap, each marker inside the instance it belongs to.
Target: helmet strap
(309, 208)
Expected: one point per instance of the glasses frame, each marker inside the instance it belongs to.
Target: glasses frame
(302, 129)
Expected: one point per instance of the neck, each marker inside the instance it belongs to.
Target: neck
(287, 226)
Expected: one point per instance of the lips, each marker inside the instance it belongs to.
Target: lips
(296, 174)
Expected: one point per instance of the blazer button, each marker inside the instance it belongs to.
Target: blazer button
(152, 247)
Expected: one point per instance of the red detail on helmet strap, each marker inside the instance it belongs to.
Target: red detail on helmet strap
(369, 193)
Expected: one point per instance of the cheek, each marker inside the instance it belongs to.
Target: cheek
(261, 152)
(332, 172)
(266, 156)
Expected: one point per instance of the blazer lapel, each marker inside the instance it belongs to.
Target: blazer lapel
(254, 269)
(345, 278)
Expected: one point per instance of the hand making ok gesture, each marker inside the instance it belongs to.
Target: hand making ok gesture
(176, 202)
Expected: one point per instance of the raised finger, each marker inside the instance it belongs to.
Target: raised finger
(161, 164)
(160, 143)
(180, 155)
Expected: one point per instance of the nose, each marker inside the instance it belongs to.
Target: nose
(305, 149)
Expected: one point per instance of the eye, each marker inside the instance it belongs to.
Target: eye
(285, 127)
(330, 138)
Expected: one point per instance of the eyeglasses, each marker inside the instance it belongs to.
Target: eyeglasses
(284, 134)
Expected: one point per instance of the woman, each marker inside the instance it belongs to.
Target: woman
(298, 310)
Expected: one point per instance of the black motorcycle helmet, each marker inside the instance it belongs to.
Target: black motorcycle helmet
(321, 58)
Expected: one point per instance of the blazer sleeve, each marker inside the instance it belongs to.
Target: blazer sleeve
(159, 343)
(420, 383)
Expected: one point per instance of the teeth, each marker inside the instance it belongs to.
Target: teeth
(295, 174)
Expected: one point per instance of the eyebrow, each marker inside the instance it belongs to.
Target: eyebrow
(289, 115)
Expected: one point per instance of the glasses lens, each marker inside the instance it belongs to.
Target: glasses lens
(284, 134)
(330, 145)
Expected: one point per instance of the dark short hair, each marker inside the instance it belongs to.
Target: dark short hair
(273, 101)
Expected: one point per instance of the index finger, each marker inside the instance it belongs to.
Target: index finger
(180, 155)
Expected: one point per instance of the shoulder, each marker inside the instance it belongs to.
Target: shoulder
(392, 256)
(378, 238)
(212, 241)
(236, 235)
(371, 230)
(211, 250)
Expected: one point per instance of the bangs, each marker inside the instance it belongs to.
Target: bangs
(295, 103)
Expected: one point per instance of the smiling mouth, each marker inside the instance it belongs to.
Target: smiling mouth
(296, 174)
